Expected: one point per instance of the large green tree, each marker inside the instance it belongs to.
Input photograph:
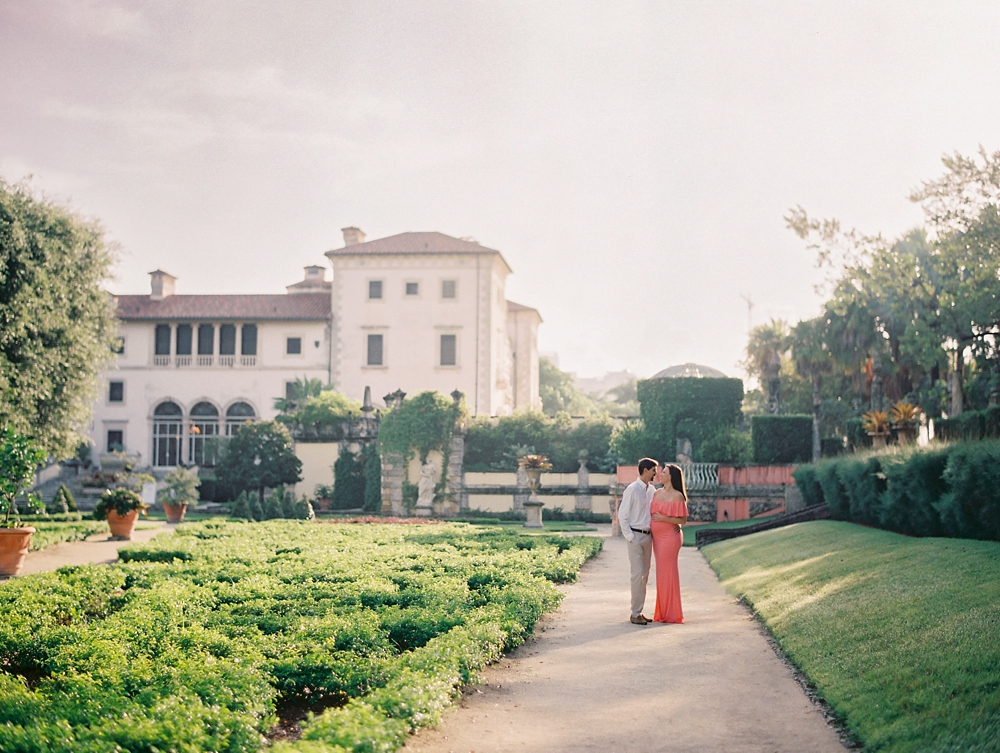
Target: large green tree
(57, 324)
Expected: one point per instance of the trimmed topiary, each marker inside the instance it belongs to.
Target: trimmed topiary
(781, 439)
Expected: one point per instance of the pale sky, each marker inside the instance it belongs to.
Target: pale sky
(632, 161)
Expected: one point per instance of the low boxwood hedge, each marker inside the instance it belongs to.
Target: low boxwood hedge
(939, 490)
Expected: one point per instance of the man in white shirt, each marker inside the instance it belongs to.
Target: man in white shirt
(633, 516)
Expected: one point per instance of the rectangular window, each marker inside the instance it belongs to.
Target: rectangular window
(374, 289)
(162, 340)
(374, 350)
(412, 288)
(249, 345)
(183, 339)
(116, 440)
(116, 392)
(227, 340)
(289, 390)
(448, 288)
(293, 346)
(206, 339)
(448, 350)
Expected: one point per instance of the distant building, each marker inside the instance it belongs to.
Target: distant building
(416, 311)
(193, 368)
(425, 311)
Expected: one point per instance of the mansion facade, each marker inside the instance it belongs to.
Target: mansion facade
(415, 311)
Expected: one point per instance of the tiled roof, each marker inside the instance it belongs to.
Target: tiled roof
(301, 306)
(306, 286)
(511, 306)
(414, 243)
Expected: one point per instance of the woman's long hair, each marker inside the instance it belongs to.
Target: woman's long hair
(677, 479)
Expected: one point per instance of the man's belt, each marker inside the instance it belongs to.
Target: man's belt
(639, 530)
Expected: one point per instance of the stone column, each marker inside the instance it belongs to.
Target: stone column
(393, 469)
(582, 500)
(458, 498)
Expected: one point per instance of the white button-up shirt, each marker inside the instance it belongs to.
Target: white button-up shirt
(633, 512)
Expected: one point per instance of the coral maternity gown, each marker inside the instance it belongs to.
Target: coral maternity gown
(667, 541)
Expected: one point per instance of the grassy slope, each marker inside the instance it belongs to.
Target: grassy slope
(901, 636)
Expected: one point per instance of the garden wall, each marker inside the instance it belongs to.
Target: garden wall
(317, 465)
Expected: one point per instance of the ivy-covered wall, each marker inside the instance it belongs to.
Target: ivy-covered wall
(696, 408)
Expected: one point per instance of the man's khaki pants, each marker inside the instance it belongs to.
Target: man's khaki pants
(640, 551)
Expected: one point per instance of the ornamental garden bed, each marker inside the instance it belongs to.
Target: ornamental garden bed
(232, 636)
(900, 636)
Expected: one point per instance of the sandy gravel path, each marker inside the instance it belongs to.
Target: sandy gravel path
(98, 549)
(590, 681)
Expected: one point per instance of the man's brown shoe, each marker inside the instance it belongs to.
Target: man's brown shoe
(640, 620)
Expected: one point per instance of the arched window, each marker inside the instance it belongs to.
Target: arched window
(238, 414)
(167, 422)
(203, 435)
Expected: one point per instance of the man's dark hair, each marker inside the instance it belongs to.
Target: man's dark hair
(646, 463)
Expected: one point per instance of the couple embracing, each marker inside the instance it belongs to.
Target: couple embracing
(651, 521)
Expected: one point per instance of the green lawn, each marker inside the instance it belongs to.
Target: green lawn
(691, 529)
(901, 636)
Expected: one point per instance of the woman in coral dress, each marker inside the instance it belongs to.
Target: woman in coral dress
(668, 512)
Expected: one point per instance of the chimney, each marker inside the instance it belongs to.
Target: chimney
(352, 236)
(162, 284)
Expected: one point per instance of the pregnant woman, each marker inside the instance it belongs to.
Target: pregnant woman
(668, 512)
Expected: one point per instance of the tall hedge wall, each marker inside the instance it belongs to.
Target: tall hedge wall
(941, 490)
(688, 406)
(781, 439)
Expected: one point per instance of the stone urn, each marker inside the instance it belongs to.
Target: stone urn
(906, 434)
(122, 525)
(175, 513)
(533, 507)
(14, 544)
(878, 439)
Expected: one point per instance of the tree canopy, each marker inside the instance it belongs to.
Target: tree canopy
(260, 455)
(916, 318)
(57, 324)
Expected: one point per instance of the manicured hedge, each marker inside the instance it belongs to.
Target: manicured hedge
(941, 490)
(857, 437)
(208, 639)
(689, 407)
(781, 439)
(971, 425)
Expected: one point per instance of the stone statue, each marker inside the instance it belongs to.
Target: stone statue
(425, 488)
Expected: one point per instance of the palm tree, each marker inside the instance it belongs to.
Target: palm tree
(767, 345)
(813, 359)
(298, 393)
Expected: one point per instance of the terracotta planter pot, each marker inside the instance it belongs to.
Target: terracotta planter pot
(122, 525)
(175, 513)
(14, 543)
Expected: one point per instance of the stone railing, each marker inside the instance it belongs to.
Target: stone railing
(699, 476)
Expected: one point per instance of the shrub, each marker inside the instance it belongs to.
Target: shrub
(831, 447)
(857, 437)
(863, 484)
(630, 442)
(729, 446)
(348, 481)
(991, 423)
(950, 490)
(914, 484)
(781, 439)
(807, 479)
(964, 427)
(121, 500)
(971, 506)
(64, 499)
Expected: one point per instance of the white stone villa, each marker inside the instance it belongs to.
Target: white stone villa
(415, 311)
